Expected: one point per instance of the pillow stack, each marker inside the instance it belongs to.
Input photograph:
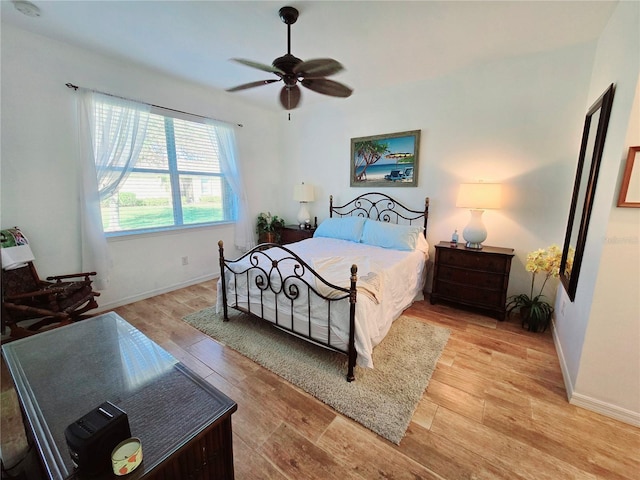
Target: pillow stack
(372, 232)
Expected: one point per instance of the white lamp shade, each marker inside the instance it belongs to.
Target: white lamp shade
(303, 193)
(479, 195)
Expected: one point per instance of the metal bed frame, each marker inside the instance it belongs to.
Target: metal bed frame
(264, 274)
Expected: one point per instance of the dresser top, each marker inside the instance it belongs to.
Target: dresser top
(485, 249)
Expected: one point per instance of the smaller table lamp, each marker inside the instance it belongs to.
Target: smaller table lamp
(478, 197)
(303, 193)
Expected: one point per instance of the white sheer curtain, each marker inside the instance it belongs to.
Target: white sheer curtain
(109, 150)
(224, 137)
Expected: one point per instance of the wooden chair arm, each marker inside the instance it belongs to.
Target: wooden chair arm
(34, 310)
(36, 293)
(71, 275)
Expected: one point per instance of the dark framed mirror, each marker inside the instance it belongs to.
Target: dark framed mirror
(584, 189)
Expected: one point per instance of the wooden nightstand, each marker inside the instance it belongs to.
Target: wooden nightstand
(473, 278)
(293, 233)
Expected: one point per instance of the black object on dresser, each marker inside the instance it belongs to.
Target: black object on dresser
(293, 233)
(473, 278)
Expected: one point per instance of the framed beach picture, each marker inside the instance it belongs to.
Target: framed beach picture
(389, 160)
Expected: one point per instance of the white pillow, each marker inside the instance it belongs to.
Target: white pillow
(390, 235)
(344, 228)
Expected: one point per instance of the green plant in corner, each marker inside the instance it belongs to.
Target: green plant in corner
(267, 227)
(536, 312)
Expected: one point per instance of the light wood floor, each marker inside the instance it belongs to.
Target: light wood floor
(495, 408)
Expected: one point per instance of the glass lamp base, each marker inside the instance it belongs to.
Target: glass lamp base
(303, 214)
(475, 232)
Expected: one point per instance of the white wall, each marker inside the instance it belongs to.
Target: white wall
(40, 163)
(518, 122)
(598, 336)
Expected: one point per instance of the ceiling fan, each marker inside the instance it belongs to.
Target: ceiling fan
(291, 70)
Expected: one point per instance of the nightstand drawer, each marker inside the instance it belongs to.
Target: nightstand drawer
(469, 295)
(471, 277)
(487, 263)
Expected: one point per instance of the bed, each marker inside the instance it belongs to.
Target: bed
(341, 289)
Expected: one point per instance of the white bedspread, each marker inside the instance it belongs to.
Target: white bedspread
(332, 270)
(391, 281)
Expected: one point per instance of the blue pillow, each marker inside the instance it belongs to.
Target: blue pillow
(344, 228)
(390, 235)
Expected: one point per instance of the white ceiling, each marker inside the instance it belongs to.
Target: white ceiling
(380, 43)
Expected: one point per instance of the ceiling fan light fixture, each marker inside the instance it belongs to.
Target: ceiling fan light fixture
(290, 97)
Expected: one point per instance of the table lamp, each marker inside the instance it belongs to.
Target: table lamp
(477, 197)
(303, 193)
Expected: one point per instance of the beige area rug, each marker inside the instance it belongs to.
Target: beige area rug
(382, 399)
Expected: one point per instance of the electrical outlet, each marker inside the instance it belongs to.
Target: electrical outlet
(564, 302)
(185, 260)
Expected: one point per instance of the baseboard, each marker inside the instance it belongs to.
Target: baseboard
(590, 403)
(568, 386)
(152, 293)
(606, 409)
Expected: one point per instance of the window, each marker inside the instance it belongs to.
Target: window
(176, 181)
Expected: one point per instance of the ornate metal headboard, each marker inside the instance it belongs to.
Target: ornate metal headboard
(380, 207)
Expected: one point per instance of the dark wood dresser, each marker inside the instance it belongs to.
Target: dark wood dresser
(183, 422)
(293, 233)
(473, 278)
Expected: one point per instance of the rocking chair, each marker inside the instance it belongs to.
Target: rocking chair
(49, 304)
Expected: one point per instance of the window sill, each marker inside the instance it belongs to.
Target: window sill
(156, 232)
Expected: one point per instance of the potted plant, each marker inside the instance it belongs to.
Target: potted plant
(535, 312)
(267, 227)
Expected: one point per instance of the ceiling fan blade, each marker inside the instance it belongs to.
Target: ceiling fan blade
(327, 87)
(251, 85)
(290, 97)
(260, 66)
(319, 67)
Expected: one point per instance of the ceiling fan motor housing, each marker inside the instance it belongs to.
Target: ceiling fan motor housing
(286, 63)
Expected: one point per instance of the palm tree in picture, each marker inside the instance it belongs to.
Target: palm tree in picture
(367, 153)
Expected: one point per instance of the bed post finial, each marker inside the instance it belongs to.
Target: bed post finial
(221, 253)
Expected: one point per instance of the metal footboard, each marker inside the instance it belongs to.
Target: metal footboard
(274, 270)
